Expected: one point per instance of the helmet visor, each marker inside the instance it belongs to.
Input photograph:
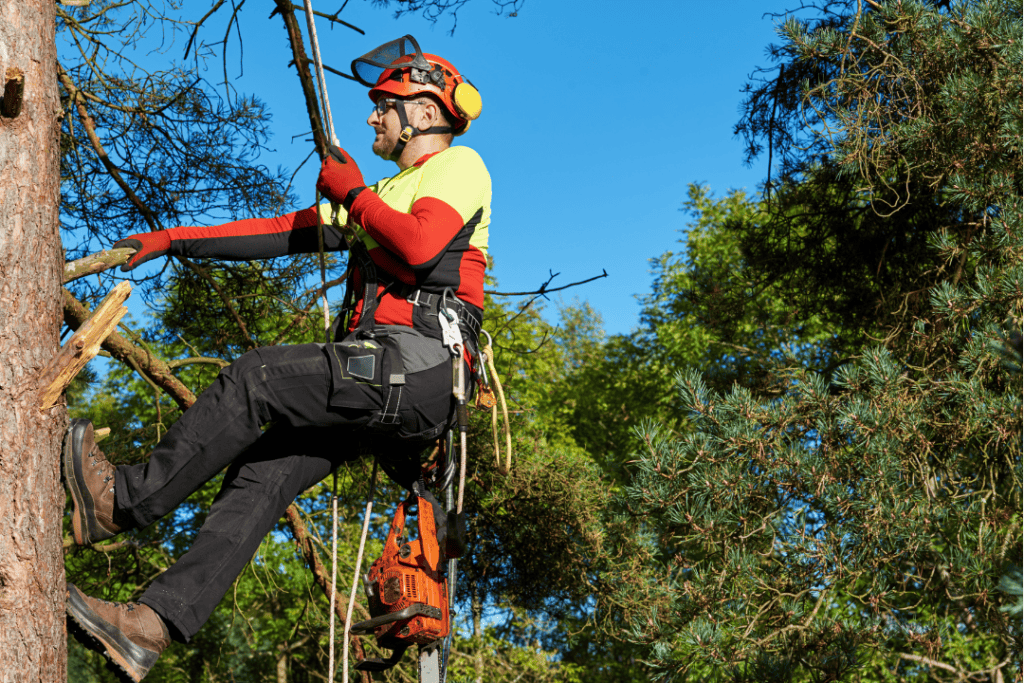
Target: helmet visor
(368, 68)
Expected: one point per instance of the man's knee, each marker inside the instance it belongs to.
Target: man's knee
(242, 367)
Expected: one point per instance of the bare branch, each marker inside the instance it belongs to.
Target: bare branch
(90, 129)
(333, 18)
(198, 24)
(544, 287)
(96, 263)
(198, 360)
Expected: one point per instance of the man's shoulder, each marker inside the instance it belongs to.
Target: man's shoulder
(457, 155)
(457, 162)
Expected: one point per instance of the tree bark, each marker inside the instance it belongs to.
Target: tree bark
(32, 623)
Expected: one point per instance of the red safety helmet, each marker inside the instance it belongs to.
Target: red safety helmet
(401, 69)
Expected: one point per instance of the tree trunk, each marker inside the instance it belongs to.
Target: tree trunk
(32, 627)
(282, 667)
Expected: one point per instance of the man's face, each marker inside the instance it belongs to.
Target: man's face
(387, 128)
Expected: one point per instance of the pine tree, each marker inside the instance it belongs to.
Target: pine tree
(856, 525)
(31, 574)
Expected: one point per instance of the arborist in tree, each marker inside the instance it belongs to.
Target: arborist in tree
(419, 241)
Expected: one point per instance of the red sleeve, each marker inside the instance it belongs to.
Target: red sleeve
(418, 237)
(256, 238)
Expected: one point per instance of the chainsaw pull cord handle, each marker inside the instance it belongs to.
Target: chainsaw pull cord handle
(355, 577)
(487, 363)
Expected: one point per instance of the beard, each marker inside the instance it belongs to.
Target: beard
(383, 147)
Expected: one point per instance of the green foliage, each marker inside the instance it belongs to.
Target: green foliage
(851, 518)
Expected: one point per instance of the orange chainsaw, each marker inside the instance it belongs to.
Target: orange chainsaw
(406, 587)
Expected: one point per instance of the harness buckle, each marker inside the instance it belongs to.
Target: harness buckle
(416, 300)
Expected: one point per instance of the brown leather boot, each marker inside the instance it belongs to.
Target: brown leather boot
(90, 481)
(130, 635)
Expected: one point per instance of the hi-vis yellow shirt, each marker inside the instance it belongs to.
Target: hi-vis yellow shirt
(426, 227)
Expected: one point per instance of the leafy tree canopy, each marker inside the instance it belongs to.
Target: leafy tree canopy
(850, 519)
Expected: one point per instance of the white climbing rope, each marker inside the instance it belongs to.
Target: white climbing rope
(315, 45)
(326, 106)
(334, 574)
(355, 576)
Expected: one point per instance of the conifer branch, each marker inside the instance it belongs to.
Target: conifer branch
(89, 123)
(225, 299)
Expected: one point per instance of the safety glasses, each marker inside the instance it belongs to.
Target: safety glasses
(382, 105)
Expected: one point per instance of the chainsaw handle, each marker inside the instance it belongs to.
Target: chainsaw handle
(413, 610)
(426, 526)
(428, 531)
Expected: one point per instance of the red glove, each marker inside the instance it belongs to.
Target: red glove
(147, 246)
(340, 179)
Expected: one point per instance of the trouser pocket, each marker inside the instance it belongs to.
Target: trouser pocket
(367, 374)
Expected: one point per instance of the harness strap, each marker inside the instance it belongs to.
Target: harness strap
(368, 274)
(395, 380)
(468, 319)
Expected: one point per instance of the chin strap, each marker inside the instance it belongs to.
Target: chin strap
(408, 132)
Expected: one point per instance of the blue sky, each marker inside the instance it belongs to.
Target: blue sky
(596, 117)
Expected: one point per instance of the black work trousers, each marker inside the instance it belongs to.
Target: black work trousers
(291, 387)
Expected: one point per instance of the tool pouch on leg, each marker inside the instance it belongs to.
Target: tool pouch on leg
(368, 374)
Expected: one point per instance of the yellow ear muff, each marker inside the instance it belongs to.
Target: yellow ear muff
(467, 100)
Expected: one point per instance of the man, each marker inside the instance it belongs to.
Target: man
(419, 241)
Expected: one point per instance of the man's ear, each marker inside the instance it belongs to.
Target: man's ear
(430, 115)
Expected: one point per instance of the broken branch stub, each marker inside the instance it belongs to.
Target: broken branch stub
(96, 263)
(82, 347)
(139, 359)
